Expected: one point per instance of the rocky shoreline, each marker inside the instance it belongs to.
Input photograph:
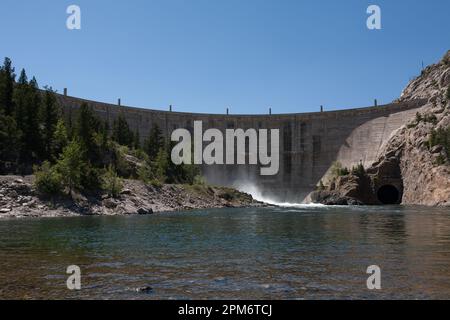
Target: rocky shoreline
(19, 199)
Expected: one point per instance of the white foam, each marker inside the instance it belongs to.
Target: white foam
(252, 189)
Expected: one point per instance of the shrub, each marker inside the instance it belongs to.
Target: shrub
(418, 117)
(430, 117)
(91, 179)
(441, 137)
(338, 171)
(145, 173)
(359, 170)
(199, 180)
(156, 183)
(48, 180)
(411, 125)
(112, 184)
(121, 164)
(440, 160)
(320, 187)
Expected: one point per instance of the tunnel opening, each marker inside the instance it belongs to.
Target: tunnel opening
(388, 194)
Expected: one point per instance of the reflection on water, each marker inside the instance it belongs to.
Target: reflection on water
(271, 253)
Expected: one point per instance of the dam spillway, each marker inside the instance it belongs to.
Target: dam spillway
(309, 142)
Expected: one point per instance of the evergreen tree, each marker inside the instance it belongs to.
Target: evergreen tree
(71, 166)
(22, 103)
(9, 133)
(122, 133)
(60, 139)
(9, 140)
(162, 164)
(7, 78)
(137, 140)
(21, 99)
(32, 132)
(154, 142)
(50, 116)
(85, 131)
(105, 135)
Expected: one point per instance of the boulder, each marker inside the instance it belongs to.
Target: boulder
(145, 211)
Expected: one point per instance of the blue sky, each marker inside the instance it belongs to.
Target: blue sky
(206, 55)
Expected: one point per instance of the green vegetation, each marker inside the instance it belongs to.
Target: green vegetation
(427, 118)
(359, 170)
(79, 152)
(48, 179)
(112, 183)
(122, 133)
(441, 136)
(320, 186)
(338, 171)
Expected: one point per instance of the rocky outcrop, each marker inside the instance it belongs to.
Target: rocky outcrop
(18, 198)
(408, 168)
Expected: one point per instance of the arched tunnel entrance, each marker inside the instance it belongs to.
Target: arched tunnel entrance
(388, 194)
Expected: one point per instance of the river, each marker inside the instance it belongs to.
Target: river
(295, 252)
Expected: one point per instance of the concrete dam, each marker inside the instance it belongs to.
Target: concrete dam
(309, 142)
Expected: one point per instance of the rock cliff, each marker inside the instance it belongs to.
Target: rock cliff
(413, 167)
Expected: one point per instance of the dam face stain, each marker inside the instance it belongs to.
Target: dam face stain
(388, 194)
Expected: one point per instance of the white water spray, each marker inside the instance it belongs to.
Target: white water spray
(256, 193)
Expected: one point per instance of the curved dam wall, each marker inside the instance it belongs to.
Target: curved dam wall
(309, 142)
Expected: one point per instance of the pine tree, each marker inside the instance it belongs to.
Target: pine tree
(50, 116)
(105, 135)
(85, 131)
(71, 165)
(9, 133)
(9, 140)
(7, 78)
(20, 99)
(154, 142)
(32, 133)
(137, 140)
(21, 102)
(122, 133)
(60, 139)
(162, 164)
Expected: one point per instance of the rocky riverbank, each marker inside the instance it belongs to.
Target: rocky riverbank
(19, 198)
(414, 166)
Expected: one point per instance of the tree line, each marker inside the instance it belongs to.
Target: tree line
(82, 154)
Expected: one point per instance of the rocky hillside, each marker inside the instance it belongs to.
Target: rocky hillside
(415, 161)
(19, 198)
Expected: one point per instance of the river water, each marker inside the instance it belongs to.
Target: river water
(297, 252)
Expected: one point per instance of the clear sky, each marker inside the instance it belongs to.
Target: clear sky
(206, 55)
